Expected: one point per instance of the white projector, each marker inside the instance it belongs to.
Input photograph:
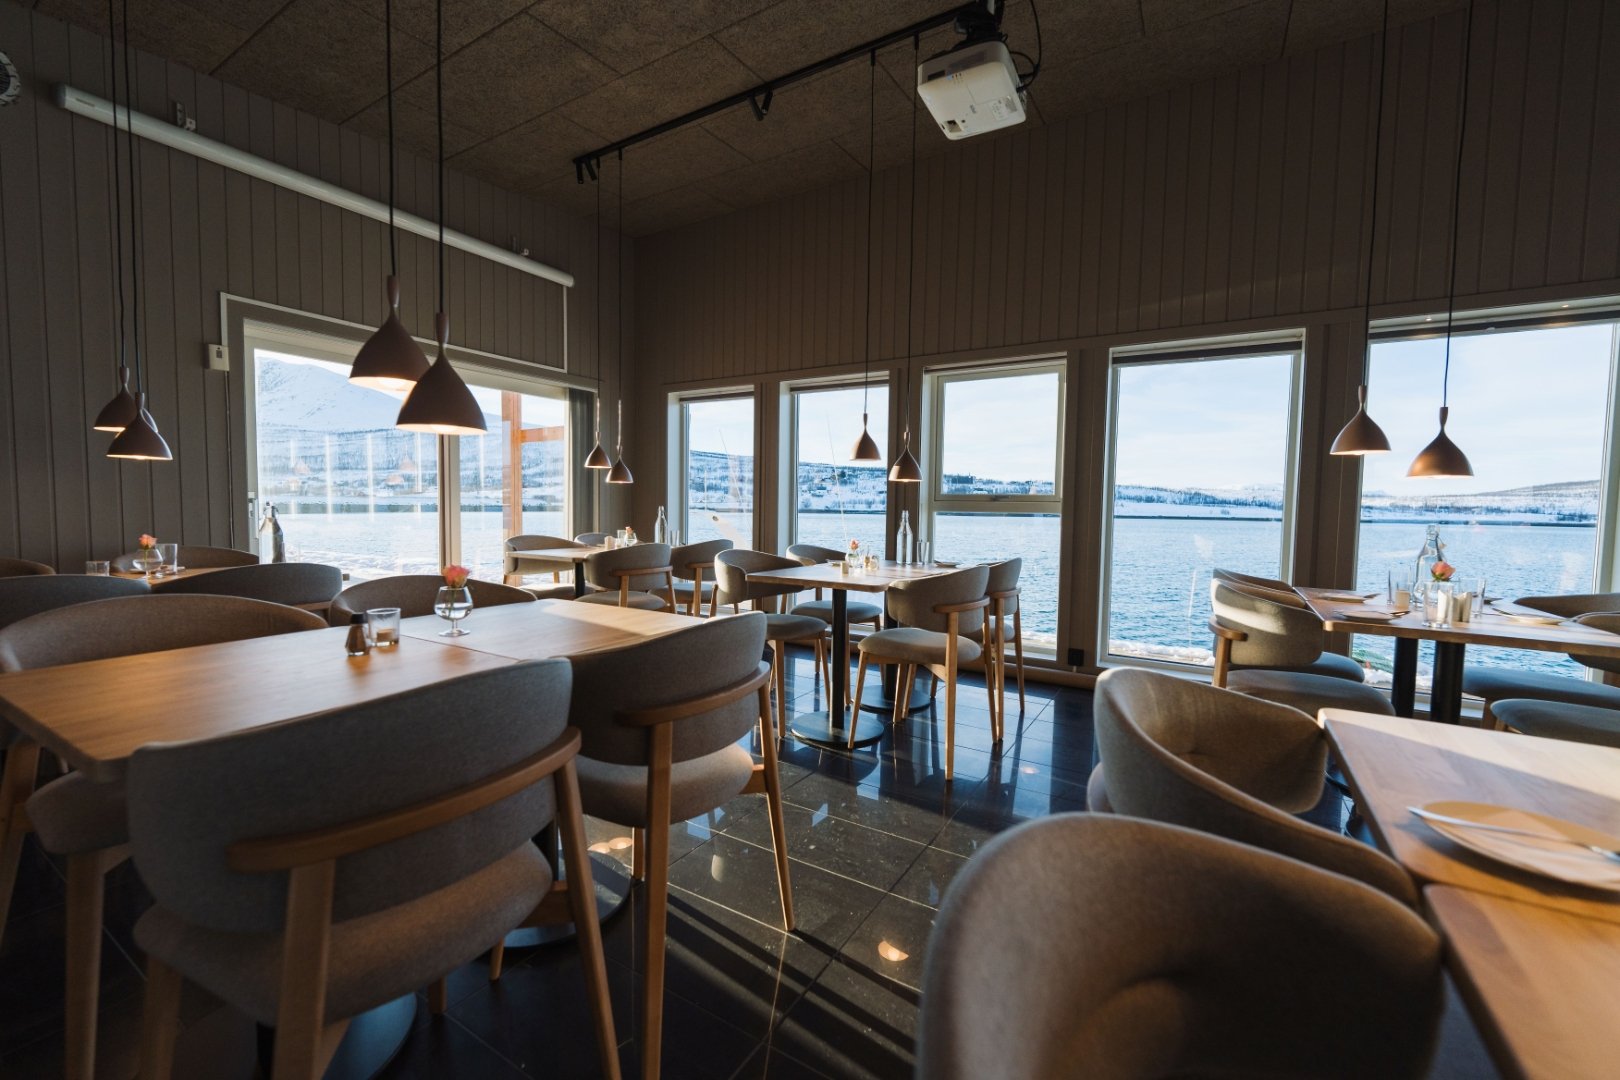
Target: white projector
(972, 90)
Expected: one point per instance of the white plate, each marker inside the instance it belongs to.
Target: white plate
(1365, 615)
(946, 565)
(1520, 614)
(1551, 858)
(1347, 597)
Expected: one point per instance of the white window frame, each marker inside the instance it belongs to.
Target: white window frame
(877, 380)
(1183, 352)
(680, 446)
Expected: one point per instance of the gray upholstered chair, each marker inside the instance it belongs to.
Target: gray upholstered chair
(638, 576)
(304, 892)
(732, 587)
(195, 557)
(856, 612)
(1559, 720)
(1004, 595)
(1088, 945)
(21, 597)
(81, 820)
(941, 616)
(24, 568)
(1177, 751)
(1494, 684)
(663, 747)
(294, 584)
(414, 595)
(1274, 584)
(515, 567)
(691, 562)
(592, 539)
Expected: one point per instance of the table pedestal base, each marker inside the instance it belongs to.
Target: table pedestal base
(371, 1042)
(881, 700)
(816, 729)
(612, 890)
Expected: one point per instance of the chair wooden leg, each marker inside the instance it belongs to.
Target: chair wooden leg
(933, 691)
(658, 823)
(855, 707)
(439, 996)
(1001, 669)
(86, 894)
(301, 1015)
(497, 961)
(638, 854)
(16, 784)
(160, 1024)
(1018, 648)
(950, 707)
(902, 674)
(905, 690)
(781, 650)
(582, 897)
(773, 805)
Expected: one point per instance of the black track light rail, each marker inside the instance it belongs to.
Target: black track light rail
(759, 97)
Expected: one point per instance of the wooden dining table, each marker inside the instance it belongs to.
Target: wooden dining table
(1450, 644)
(575, 555)
(1536, 960)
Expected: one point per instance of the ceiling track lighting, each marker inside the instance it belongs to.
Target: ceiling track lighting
(905, 469)
(1442, 458)
(440, 402)
(122, 410)
(140, 440)
(1361, 436)
(390, 359)
(620, 473)
(866, 447)
(598, 458)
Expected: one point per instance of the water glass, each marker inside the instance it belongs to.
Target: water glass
(1479, 595)
(169, 556)
(1400, 590)
(923, 553)
(1437, 605)
(453, 605)
(382, 627)
(98, 568)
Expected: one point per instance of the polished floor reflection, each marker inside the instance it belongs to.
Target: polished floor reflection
(875, 837)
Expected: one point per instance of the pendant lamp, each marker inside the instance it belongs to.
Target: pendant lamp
(620, 472)
(440, 402)
(1442, 457)
(1361, 435)
(866, 447)
(905, 469)
(390, 359)
(140, 439)
(598, 457)
(122, 410)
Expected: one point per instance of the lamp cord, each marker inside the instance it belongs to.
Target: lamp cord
(598, 302)
(438, 102)
(911, 229)
(1456, 200)
(871, 170)
(135, 259)
(1378, 146)
(618, 303)
(115, 211)
(388, 68)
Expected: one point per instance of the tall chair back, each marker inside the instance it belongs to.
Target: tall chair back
(1600, 620)
(811, 554)
(695, 562)
(24, 568)
(1275, 633)
(1274, 584)
(21, 597)
(515, 564)
(127, 625)
(1571, 605)
(280, 583)
(592, 539)
(1003, 585)
(914, 601)
(414, 595)
(1129, 972)
(607, 569)
(731, 570)
(194, 556)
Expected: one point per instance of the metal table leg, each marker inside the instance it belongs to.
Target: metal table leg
(1445, 697)
(830, 729)
(1404, 694)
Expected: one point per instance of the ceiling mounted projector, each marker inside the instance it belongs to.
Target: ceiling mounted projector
(972, 89)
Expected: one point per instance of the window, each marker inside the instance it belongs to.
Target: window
(996, 476)
(717, 470)
(1526, 522)
(839, 500)
(1201, 467)
(514, 477)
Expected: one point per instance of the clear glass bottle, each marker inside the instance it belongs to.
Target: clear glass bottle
(267, 534)
(902, 539)
(661, 528)
(1432, 547)
(278, 539)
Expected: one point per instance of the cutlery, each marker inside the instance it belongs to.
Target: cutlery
(1429, 815)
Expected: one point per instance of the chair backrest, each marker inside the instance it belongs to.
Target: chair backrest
(1274, 584)
(683, 666)
(537, 542)
(196, 557)
(21, 597)
(1276, 633)
(600, 568)
(695, 562)
(1074, 945)
(280, 583)
(24, 568)
(1600, 620)
(731, 570)
(1188, 754)
(913, 602)
(1004, 579)
(592, 539)
(414, 594)
(1571, 605)
(188, 802)
(138, 624)
(810, 554)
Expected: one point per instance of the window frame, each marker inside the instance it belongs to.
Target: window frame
(790, 459)
(1205, 350)
(934, 500)
(680, 443)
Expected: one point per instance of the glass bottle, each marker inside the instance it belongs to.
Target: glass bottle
(267, 534)
(1432, 547)
(902, 539)
(278, 540)
(661, 528)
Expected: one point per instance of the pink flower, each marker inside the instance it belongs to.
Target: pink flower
(1442, 570)
(456, 576)
(147, 541)
(854, 545)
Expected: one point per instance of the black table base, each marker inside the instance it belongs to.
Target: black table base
(816, 729)
(371, 1042)
(612, 886)
(881, 700)
(1445, 692)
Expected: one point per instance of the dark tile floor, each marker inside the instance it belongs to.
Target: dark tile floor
(875, 838)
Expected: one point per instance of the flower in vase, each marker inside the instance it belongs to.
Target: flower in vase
(854, 546)
(456, 576)
(147, 541)
(1442, 570)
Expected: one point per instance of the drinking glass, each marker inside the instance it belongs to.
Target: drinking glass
(382, 626)
(923, 552)
(453, 605)
(1437, 605)
(169, 557)
(1479, 595)
(98, 568)
(1400, 590)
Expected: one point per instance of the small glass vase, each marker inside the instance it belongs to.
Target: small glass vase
(453, 605)
(147, 560)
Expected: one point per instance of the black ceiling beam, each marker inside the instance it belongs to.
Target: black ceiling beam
(759, 96)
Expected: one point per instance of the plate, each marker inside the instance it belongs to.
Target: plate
(1521, 614)
(1347, 597)
(946, 565)
(1365, 615)
(1563, 862)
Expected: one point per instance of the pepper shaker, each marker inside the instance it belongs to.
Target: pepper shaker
(357, 645)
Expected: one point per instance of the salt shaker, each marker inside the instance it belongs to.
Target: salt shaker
(357, 645)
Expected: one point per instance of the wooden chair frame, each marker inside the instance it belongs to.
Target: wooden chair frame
(998, 612)
(907, 676)
(694, 607)
(305, 1043)
(624, 577)
(1224, 637)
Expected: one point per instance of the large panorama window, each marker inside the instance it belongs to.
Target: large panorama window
(717, 474)
(1202, 477)
(1531, 407)
(838, 500)
(354, 491)
(996, 480)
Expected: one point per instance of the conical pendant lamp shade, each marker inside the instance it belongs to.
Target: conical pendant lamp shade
(440, 402)
(140, 441)
(598, 457)
(866, 448)
(620, 473)
(1441, 458)
(905, 469)
(122, 410)
(390, 359)
(1361, 436)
